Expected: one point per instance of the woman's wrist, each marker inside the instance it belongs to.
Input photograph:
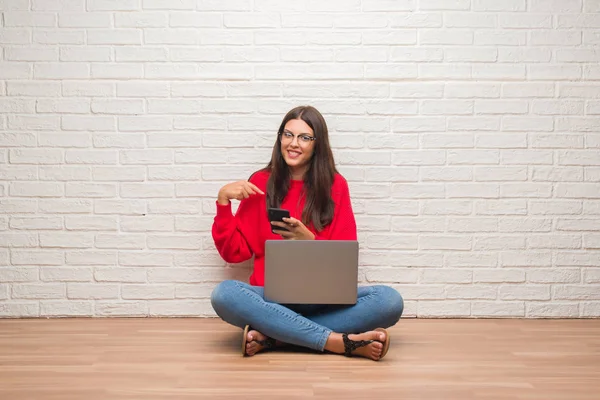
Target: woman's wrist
(222, 200)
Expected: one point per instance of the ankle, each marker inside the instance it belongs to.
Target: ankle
(335, 343)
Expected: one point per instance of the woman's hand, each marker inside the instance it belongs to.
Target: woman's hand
(296, 230)
(237, 190)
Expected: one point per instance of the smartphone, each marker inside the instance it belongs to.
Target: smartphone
(278, 214)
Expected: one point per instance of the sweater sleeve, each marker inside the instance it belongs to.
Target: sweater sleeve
(343, 225)
(230, 231)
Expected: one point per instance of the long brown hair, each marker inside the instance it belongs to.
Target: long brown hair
(318, 179)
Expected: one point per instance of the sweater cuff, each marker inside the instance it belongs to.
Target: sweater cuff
(223, 211)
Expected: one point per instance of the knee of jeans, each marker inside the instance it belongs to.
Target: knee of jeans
(221, 295)
(393, 303)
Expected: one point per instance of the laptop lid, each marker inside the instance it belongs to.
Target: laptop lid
(311, 271)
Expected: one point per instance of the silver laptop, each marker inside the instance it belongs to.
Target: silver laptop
(311, 271)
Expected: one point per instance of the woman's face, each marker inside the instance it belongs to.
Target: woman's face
(297, 146)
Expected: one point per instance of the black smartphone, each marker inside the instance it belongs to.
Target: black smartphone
(278, 214)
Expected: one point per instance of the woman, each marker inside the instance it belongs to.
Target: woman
(302, 178)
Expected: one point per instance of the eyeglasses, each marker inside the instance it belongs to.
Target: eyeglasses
(302, 138)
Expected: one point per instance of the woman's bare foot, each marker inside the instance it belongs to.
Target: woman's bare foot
(335, 344)
(252, 345)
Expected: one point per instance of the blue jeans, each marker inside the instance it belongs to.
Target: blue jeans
(306, 325)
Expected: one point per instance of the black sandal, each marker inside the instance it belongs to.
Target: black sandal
(351, 345)
(268, 343)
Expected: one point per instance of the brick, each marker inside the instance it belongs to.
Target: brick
(38, 291)
(14, 70)
(135, 54)
(117, 71)
(19, 309)
(427, 242)
(121, 207)
(120, 274)
(147, 190)
(372, 223)
(418, 190)
(33, 223)
(577, 190)
(66, 240)
(119, 140)
(559, 174)
(576, 292)
(92, 89)
(65, 308)
(20, 274)
(578, 91)
(444, 140)
(174, 206)
(92, 291)
(188, 20)
(446, 174)
(129, 174)
(62, 36)
(527, 190)
(33, 89)
(524, 292)
(180, 308)
(31, 53)
(463, 292)
(61, 71)
(16, 173)
(403, 242)
(498, 309)
(147, 292)
(142, 89)
(590, 309)
(37, 189)
(577, 259)
(527, 224)
(34, 123)
(65, 173)
(147, 223)
(145, 123)
(65, 274)
(95, 190)
(120, 241)
(499, 243)
(564, 275)
(469, 190)
(461, 260)
(526, 259)
(144, 259)
(64, 206)
(444, 308)
(546, 140)
(564, 224)
(481, 224)
(91, 257)
(498, 275)
(555, 207)
(118, 309)
(500, 174)
(141, 20)
(91, 157)
(446, 207)
(196, 291)
(17, 139)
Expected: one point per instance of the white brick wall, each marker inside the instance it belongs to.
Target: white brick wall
(469, 131)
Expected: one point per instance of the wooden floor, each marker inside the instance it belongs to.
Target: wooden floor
(150, 359)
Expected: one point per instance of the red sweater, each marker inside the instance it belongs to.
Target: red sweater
(239, 237)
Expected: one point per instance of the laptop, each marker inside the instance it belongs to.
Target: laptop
(311, 271)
